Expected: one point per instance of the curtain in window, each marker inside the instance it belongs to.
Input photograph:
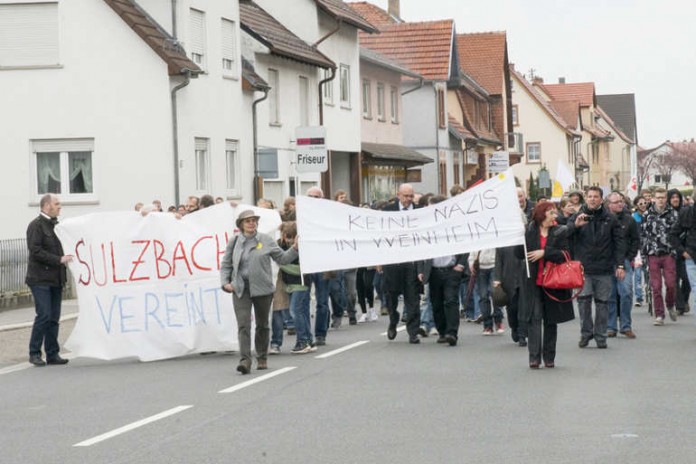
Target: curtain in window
(48, 172)
(80, 165)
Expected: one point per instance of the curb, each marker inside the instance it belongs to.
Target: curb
(25, 325)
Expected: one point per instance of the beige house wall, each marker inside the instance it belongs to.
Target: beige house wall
(375, 130)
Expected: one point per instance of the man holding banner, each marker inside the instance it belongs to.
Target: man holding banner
(402, 279)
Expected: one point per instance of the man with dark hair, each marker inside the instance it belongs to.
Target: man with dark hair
(600, 247)
(206, 201)
(676, 202)
(46, 275)
(660, 255)
(192, 204)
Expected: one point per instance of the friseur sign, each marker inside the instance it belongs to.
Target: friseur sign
(311, 150)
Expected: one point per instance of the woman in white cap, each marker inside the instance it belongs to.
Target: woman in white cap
(246, 273)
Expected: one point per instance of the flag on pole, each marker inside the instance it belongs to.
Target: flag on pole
(632, 188)
(564, 179)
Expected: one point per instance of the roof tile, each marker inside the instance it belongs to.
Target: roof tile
(584, 92)
(340, 10)
(483, 56)
(373, 14)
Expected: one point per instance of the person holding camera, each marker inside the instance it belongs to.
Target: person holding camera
(600, 246)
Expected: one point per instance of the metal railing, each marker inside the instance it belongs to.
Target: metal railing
(13, 267)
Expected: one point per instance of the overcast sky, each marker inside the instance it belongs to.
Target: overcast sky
(644, 47)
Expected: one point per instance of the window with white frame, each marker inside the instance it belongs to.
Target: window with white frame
(380, 102)
(202, 164)
(394, 100)
(328, 87)
(273, 97)
(345, 85)
(65, 167)
(366, 99)
(515, 115)
(304, 101)
(232, 166)
(197, 41)
(29, 34)
(534, 152)
(229, 48)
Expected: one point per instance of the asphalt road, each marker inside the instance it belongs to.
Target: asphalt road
(378, 401)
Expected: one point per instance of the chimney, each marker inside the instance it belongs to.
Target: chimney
(395, 9)
(561, 80)
(537, 80)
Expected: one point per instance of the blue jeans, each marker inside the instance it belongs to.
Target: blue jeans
(288, 321)
(691, 272)
(377, 284)
(484, 280)
(337, 295)
(299, 308)
(638, 284)
(321, 293)
(427, 311)
(45, 330)
(622, 290)
(277, 322)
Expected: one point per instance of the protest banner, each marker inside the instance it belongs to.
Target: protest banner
(149, 286)
(337, 236)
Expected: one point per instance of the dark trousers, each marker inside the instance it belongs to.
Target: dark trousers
(542, 345)
(444, 297)
(409, 287)
(45, 330)
(517, 327)
(365, 288)
(683, 287)
(242, 310)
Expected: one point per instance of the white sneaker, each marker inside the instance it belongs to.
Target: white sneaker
(434, 332)
(672, 313)
(274, 349)
(372, 316)
(363, 318)
(659, 321)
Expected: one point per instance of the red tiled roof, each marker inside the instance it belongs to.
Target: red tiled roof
(424, 47)
(279, 40)
(584, 92)
(339, 10)
(373, 14)
(155, 36)
(482, 56)
(563, 116)
(458, 130)
(568, 110)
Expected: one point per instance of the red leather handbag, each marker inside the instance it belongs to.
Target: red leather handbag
(564, 276)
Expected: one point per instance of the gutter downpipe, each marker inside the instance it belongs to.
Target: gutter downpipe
(175, 132)
(257, 178)
(174, 25)
(326, 176)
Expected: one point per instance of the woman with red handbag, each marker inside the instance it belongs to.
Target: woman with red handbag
(546, 242)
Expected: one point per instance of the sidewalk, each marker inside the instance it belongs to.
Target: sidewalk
(19, 318)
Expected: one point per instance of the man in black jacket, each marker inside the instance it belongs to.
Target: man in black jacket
(622, 292)
(682, 237)
(46, 276)
(676, 201)
(402, 278)
(600, 246)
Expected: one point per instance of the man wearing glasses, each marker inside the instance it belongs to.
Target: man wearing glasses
(622, 293)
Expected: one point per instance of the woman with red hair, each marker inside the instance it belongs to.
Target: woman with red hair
(539, 307)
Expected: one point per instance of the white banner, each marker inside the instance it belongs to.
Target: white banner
(337, 236)
(149, 287)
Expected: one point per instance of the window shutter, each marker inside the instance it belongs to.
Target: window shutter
(228, 48)
(197, 34)
(63, 145)
(29, 34)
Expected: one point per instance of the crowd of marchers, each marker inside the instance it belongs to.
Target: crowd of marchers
(629, 250)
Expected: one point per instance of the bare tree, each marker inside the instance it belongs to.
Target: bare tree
(684, 156)
(666, 164)
(646, 159)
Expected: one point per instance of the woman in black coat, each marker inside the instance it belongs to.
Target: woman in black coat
(546, 241)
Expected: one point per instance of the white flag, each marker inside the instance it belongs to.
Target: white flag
(632, 188)
(564, 179)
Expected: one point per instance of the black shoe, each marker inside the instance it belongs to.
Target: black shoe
(391, 332)
(414, 339)
(515, 336)
(611, 334)
(56, 360)
(422, 332)
(451, 339)
(352, 321)
(442, 339)
(244, 366)
(584, 341)
(36, 360)
(601, 344)
(522, 341)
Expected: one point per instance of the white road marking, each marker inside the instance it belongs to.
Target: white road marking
(134, 425)
(624, 435)
(341, 350)
(26, 365)
(256, 380)
(400, 328)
